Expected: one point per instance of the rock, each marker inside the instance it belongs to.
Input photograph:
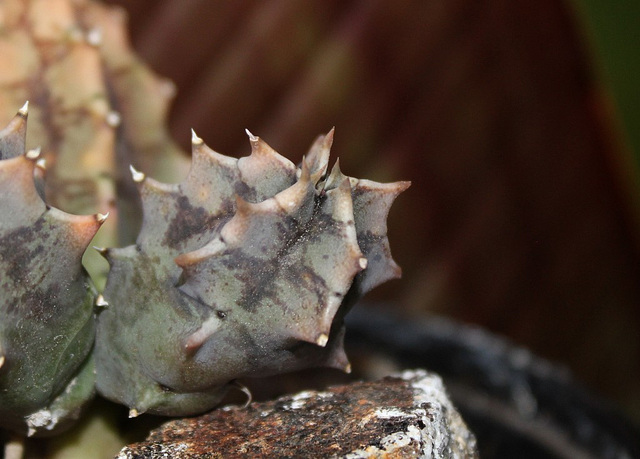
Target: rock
(401, 416)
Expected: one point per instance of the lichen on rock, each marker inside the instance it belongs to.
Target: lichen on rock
(407, 415)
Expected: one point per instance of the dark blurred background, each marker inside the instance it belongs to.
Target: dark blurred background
(515, 121)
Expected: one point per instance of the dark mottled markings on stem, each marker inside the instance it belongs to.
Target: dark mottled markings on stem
(191, 220)
(17, 252)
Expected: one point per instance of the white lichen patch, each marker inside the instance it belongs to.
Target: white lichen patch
(401, 439)
(300, 399)
(308, 394)
(434, 424)
(294, 405)
(389, 413)
(164, 452)
(43, 419)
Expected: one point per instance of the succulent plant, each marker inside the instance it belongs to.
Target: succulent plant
(47, 328)
(245, 268)
(239, 270)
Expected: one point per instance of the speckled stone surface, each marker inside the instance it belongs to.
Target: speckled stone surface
(401, 416)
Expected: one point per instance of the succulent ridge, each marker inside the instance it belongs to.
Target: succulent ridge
(239, 270)
(47, 327)
(13, 136)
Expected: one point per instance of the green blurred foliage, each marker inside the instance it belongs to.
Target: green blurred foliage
(614, 32)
